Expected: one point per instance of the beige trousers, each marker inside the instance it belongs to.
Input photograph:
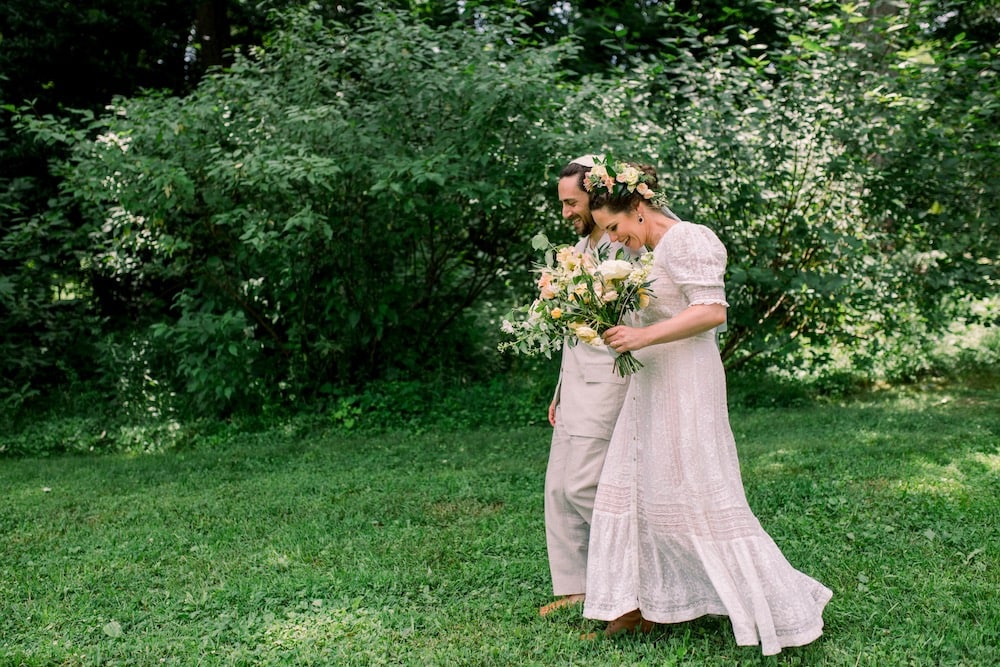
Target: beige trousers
(574, 469)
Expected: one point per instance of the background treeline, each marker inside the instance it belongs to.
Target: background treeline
(223, 206)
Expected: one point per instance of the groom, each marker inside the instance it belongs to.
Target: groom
(583, 412)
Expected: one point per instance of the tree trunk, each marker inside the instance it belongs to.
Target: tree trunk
(212, 32)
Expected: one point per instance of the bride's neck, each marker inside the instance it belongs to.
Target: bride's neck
(661, 224)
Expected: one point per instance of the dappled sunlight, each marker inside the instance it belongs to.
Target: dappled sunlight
(935, 479)
(924, 400)
(314, 629)
(869, 437)
(314, 623)
(776, 461)
(278, 561)
(955, 477)
(154, 438)
(990, 461)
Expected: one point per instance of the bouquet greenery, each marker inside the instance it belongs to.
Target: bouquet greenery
(580, 296)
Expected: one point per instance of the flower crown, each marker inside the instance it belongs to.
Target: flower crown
(621, 179)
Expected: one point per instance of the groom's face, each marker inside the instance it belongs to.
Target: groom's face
(575, 206)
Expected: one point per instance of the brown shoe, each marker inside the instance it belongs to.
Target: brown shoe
(630, 622)
(564, 601)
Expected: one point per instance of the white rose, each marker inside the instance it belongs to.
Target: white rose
(614, 269)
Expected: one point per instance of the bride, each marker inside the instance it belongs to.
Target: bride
(673, 537)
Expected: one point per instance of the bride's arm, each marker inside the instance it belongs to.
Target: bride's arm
(691, 321)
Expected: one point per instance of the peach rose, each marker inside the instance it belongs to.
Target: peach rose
(546, 291)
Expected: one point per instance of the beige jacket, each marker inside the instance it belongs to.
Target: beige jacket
(589, 393)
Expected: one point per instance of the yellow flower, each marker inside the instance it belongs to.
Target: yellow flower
(586, 334)
(643, 298)
(555, 313)
(568, 257)
(629, 176)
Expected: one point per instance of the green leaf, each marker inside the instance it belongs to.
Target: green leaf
(540, 241)
(113, 629)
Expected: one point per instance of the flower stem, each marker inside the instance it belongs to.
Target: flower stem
(626, 364)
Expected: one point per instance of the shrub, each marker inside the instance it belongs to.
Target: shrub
(808, 156)
(325, 211)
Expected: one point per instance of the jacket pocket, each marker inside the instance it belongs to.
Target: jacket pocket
(602, 371)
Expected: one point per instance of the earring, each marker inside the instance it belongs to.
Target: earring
(640, 218)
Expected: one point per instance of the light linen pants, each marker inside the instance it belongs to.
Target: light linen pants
(574, 469)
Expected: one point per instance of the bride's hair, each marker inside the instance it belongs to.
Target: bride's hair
(624, 198)
(621, 199)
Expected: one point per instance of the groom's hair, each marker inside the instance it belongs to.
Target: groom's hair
(575, 169)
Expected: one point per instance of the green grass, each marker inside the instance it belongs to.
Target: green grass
(303, 544)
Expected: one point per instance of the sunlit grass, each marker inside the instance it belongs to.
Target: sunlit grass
(300, 544)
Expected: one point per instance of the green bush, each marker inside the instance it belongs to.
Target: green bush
(326, 211)
(88, 423)
(515, 399)
(351, 205)
(851, 168)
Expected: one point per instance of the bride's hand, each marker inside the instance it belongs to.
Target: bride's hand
(624, 339)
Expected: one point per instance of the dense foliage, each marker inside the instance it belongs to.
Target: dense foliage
(855, 197)
(321, 213)
(352, 199)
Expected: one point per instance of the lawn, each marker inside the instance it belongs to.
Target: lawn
(305, 544)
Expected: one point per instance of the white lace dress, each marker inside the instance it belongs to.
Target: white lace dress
(672, 533)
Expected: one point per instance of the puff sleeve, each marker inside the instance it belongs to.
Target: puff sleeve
(695, 260)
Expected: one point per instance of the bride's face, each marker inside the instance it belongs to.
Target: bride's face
(622, 227)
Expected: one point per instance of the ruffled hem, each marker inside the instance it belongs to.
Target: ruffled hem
(685, 577)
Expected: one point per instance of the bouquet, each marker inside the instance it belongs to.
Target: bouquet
(580, 296)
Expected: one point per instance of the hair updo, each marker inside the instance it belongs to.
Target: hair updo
(620, 199)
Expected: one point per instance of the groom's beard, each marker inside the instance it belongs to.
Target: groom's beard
(581, 226)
